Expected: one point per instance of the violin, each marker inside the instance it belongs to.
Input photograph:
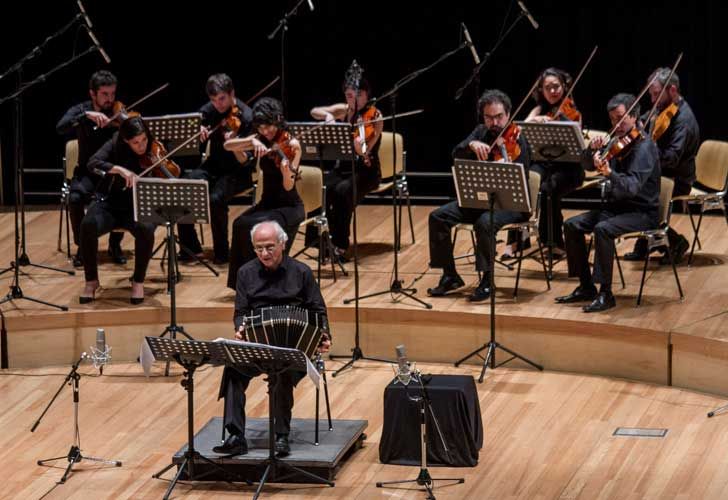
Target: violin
(618, 147)
(662, 121)
(232, 122)
(366, 129)
(566, 109)
(509, 149)
(164, 168)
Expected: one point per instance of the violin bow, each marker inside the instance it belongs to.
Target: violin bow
(513, 115)
(138, 102)
(390, 117)
(626, 114)
(664, 87)
(578, 77)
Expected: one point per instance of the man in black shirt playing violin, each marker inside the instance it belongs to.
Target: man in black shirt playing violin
(631, 192)
(223, 170)
(678, 145)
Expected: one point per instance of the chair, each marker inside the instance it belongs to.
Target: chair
(70, 162)
(398, 179)
(534, 184)
(657, 238)
(711, 170)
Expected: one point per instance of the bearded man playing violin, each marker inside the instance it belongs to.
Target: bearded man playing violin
(494, 107)
(225, 174)
(676, 132)
(631, 193)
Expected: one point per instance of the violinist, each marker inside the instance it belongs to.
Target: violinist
(339, 186)
(279, 154)
(89, 123)
(675, 130)
(225, 175)
(631, 168)
(557, 178)
(121, 158)
(494, 107)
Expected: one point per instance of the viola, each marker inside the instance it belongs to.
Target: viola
(618, 147)
(566, 109)
(662, 121)
(166, 168)
(507, 147)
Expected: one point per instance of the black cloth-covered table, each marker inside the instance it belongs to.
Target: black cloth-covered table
(456, 406)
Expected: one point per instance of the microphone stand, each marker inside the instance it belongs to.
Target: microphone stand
(283, 28)
(74, 454)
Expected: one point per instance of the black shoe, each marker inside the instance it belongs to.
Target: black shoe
(481, 293)
(634, 256)
(603, 301)
(678, 252)
(117, 256)
(233, 445)
(220, 261)
(282, 447)
(77, 260)
(447, 283)
(580, 294)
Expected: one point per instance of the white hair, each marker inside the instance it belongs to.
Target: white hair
(282, 237)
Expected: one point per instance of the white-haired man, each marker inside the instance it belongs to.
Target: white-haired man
(271, 279)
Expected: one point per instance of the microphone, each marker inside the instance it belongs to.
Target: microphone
(101, 353)
(469, 43)
(83, 13)
(404, 374)
(310, 4)
(98, 46)
(526, 13)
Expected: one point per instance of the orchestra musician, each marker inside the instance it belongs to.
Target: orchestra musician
(272, 279)
(225, 175)
(121, 159)
(631, 192)
(89, 122)
(279, 155)
(494, 108)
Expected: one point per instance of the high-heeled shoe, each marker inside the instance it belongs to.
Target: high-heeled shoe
(136, 300)
(85, 299)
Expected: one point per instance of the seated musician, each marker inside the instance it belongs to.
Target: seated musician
(632, 204)
(272, 279)
(279, 156)
(494, 107)
(339, 186)
(89, 123)
(225, 175)
(119, 160)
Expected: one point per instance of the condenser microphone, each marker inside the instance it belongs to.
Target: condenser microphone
(101, 353)
(404, 374)
(98, 46)
(526, 13)
(469, 42)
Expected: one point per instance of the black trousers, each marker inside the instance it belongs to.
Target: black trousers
(80, 194)
(606, 226)
(241, 248)
(222, 188)
(443, 219)
(340, 200)
(233, 385)
(557, 180)
(102, 217)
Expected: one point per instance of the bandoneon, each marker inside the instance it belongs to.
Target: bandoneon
(286, 326)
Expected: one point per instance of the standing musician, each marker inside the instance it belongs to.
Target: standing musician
(339, 186)
(225, 175)
(271, 279)
(121, 158)
(675, 130)
(89, 123)
(494, 107)
(279, 154)
(631, 167)
(557, 178)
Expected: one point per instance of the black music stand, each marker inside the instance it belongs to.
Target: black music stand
(174, 130)
(168, 202)
(550, 142)
(272, 361)
(492, 186)
(191, 355)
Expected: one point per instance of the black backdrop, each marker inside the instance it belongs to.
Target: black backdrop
(182, 43)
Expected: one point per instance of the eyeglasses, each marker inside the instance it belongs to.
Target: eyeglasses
(265, 248)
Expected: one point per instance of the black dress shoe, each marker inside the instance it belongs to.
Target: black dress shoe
(481, 293)
(447, 283)
(634, 256)
(116, 254)
(580, 294)
(220, 261)
(233, 445)
(678, 252)
(77, 260)
(603, 301)
(282, 447)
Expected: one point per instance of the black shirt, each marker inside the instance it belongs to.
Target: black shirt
(75, 125)
(292, 283)
(112, 185)
(221, 161)
(274, 195)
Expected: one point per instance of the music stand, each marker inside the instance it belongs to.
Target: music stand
(550, 142)
(272, 361)
(191, 355)
(492, 186)
(168, 202)
(173, 130)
